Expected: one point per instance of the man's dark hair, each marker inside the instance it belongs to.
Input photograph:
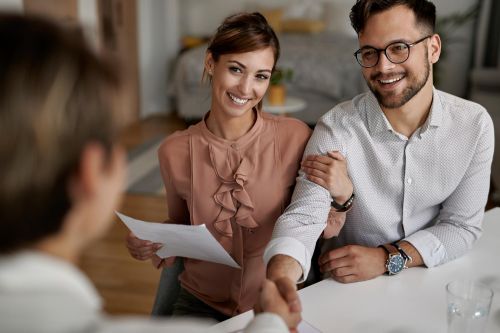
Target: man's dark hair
(425, 12)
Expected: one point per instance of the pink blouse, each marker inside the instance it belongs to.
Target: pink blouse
(237, 189)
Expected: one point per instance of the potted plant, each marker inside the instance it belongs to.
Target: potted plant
(277, 89)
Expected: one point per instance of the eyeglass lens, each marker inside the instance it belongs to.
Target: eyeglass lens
(395, 52)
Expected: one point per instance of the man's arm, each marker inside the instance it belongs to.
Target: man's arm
(299, 227)
(353, 263)
(283, 266)
(459, 223)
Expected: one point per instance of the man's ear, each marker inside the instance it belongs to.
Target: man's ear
(435, 48)
(87, 177)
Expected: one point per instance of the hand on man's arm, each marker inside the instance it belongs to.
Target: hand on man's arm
(331, 173)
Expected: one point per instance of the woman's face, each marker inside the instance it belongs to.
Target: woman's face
(239, 81)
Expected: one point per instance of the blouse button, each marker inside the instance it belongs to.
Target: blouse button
(234, 145)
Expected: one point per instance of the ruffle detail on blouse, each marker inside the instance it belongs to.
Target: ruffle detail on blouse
(232, 196)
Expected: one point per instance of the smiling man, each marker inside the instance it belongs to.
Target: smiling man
(418, 160)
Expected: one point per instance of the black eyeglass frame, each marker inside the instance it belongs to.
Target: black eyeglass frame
(408, 45)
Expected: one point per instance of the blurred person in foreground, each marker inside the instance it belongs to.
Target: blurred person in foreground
(62, 174)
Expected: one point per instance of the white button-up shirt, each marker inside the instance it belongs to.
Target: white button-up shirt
(429, 189)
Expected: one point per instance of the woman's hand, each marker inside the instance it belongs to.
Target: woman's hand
(144, 250)
(329, 172)
(141, 249)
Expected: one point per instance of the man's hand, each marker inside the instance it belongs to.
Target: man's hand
(353, 263)
(284, 271)
(144, 250)
(273, 298)
(329, 172)
(288, 290)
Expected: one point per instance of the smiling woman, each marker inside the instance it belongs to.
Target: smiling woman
(239, 81)
(234, 171)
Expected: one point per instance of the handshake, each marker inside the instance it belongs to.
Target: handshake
(280, 297)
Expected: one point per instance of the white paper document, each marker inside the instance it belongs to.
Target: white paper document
(180, 240)
(305, 327)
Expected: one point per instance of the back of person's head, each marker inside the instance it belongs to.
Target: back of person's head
(54, 94)
(424, 10)
(241, 33)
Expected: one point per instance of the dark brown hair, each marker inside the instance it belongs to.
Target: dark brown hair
(54, 100)
(425, 12)
(243, 32)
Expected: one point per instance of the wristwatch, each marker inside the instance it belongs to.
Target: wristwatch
(395, 261)
(344, 207)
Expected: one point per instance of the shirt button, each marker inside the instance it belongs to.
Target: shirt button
(234, 145)
(409, 180)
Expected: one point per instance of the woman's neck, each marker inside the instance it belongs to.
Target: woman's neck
(230, 128)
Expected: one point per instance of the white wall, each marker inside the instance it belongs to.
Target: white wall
(87, 15)
(158, 46)
(11, 5)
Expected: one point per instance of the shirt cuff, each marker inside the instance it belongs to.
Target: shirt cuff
(291, 247)
(429, 247)
(266, 322)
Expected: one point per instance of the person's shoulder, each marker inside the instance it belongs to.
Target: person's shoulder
(347, 109)
(463, 110)
(459, 104)
(177, 143)
(345, 113)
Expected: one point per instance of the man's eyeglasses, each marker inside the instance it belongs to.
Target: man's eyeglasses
(397, 53)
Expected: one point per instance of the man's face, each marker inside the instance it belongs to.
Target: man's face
(396, 84)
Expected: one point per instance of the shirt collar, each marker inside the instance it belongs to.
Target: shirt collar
(242, 142)
(435, 117)
(378, 122)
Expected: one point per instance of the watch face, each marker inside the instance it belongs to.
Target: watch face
(395, 264)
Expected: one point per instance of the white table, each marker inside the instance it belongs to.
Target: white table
(413, 301)
(292, 104)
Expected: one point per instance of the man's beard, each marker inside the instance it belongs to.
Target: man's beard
(415, 85)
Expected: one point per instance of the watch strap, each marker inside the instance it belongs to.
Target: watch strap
(385, 249)
(345, 206)
(403, 253)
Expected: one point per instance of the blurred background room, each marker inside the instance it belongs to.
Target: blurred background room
(161, 45)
